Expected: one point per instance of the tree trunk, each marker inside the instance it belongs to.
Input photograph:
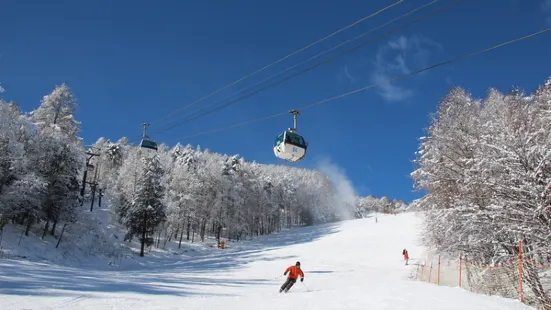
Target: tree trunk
(52, 232)
(99, 197)
(203, 229)
(181, 235)
(159, 238)
(30, 221)
(93, 195)
(144, 229)
(46, 229)
(22, 219)
(175, 233)
(261, 226)
(188, 226)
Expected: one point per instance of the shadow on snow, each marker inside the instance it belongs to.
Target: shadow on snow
(179, 276)
(19, 278)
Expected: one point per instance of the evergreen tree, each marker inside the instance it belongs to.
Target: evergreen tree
(61, 155)
(147, 210)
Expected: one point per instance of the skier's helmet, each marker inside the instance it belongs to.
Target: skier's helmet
(298, 264)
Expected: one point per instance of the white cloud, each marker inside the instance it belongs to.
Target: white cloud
(395, 58)
(390, 91)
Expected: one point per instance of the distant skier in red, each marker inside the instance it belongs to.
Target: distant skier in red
(294, 272)
(406, 255)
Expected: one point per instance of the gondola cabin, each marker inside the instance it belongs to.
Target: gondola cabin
(148, 147)
(290, 146)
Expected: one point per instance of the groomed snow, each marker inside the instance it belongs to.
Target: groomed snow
(349, 265)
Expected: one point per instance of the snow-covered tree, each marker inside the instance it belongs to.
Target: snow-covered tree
(61, 155)
(146, 210)
(17, 151)
(381, 205)
(58, 108)
(485, 166)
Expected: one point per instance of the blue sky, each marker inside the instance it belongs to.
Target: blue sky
(133, 61)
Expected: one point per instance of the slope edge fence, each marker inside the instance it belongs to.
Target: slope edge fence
(523, 277)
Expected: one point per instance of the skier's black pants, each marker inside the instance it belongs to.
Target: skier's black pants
(288, 284)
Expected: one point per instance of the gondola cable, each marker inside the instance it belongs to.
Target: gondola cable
(282, 59)
(206, 110)
(459, 58)
(177, 123)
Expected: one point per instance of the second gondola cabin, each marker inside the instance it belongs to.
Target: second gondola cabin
(148, 147)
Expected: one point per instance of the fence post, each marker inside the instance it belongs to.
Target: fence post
(430, 270)
(520, 275)
(460, 260)
(438, 281)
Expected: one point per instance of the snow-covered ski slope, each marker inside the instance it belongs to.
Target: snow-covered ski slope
(349, 265)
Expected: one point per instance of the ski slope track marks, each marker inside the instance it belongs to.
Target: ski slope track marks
(354, 264)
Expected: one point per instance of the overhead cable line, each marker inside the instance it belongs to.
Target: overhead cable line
(376, 84)
(280, 60)
(206, 112)
(314, 57)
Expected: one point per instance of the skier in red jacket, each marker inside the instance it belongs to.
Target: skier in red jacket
(294, 272)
